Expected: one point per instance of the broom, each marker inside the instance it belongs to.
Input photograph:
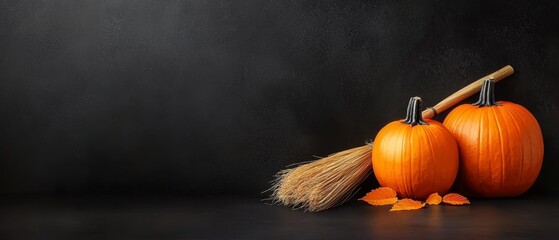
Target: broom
(330, 181)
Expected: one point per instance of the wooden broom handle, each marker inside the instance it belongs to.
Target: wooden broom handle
(466, 92)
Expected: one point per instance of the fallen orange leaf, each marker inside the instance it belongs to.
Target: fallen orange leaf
(455, 199)
(407, 204)
(434, 199)
(380, 196)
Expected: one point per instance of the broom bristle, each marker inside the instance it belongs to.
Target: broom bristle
(324, 183)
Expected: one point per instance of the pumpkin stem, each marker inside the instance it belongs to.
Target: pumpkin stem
(413, 115)
(487, 95)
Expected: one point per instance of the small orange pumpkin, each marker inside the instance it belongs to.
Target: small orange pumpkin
(501, 146)
(415, 157)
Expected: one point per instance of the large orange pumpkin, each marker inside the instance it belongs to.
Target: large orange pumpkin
(501, 146)
(415, 157)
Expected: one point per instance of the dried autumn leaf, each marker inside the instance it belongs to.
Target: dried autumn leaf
(455, 199)
(434, 199)
(380, 196)
(407, 204)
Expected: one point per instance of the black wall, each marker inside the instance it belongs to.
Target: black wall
(203, 97)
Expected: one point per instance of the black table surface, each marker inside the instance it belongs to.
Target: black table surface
(235, 217)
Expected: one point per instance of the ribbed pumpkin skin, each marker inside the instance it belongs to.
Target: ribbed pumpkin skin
(415, 161)
(501, 149)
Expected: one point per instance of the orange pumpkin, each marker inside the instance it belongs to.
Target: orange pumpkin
(501, 146)
(415, 157)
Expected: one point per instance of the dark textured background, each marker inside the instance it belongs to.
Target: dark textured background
(205, 97)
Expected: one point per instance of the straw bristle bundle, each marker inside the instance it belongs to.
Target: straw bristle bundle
(324, 183)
